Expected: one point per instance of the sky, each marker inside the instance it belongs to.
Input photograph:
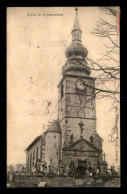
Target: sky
(36, 44)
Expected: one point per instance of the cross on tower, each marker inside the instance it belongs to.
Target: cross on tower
(81, 127)
(104, 156)
(76, 9)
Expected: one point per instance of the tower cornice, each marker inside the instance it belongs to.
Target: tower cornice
(75, 76)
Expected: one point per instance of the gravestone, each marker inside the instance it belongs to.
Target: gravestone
(42, 184)
(11, 173)
(11, 177)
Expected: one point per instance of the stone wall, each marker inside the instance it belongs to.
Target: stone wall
(69, 181)
(51, 182)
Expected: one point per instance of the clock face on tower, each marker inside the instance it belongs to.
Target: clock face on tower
(80, 85)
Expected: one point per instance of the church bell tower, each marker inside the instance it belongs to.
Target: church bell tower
(76, 101)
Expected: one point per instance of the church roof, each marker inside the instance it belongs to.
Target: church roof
(99, 136)
(76, 49)
(33, 142)
(54, 127)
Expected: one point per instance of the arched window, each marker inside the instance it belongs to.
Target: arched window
(33, 155)
(28, 163)
(91, 139)
(40, 152)
(37, 154)
(30, 160)
(62, 91)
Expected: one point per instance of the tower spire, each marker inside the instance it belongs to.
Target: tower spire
(76, 32)
(76, 52)
(76, 23)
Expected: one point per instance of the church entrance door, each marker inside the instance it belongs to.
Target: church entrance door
(82, 166)
(82, 163)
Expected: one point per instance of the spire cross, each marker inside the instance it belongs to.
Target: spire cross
(76, 9)
(81, 127)
(104, 156)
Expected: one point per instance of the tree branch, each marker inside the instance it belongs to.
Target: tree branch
(106, 91)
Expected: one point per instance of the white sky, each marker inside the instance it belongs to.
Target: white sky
(36, 48)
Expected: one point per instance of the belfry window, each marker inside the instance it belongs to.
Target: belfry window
(62, 91)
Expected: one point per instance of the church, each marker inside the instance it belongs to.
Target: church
(72, 138)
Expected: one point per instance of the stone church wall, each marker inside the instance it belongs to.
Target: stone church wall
(71, 127)
(70, 85)
(61, 107)
(72, 110)
(52, 148)
(74, 156)
(31, 155)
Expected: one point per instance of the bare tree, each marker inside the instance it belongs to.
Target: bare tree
(108, 65)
